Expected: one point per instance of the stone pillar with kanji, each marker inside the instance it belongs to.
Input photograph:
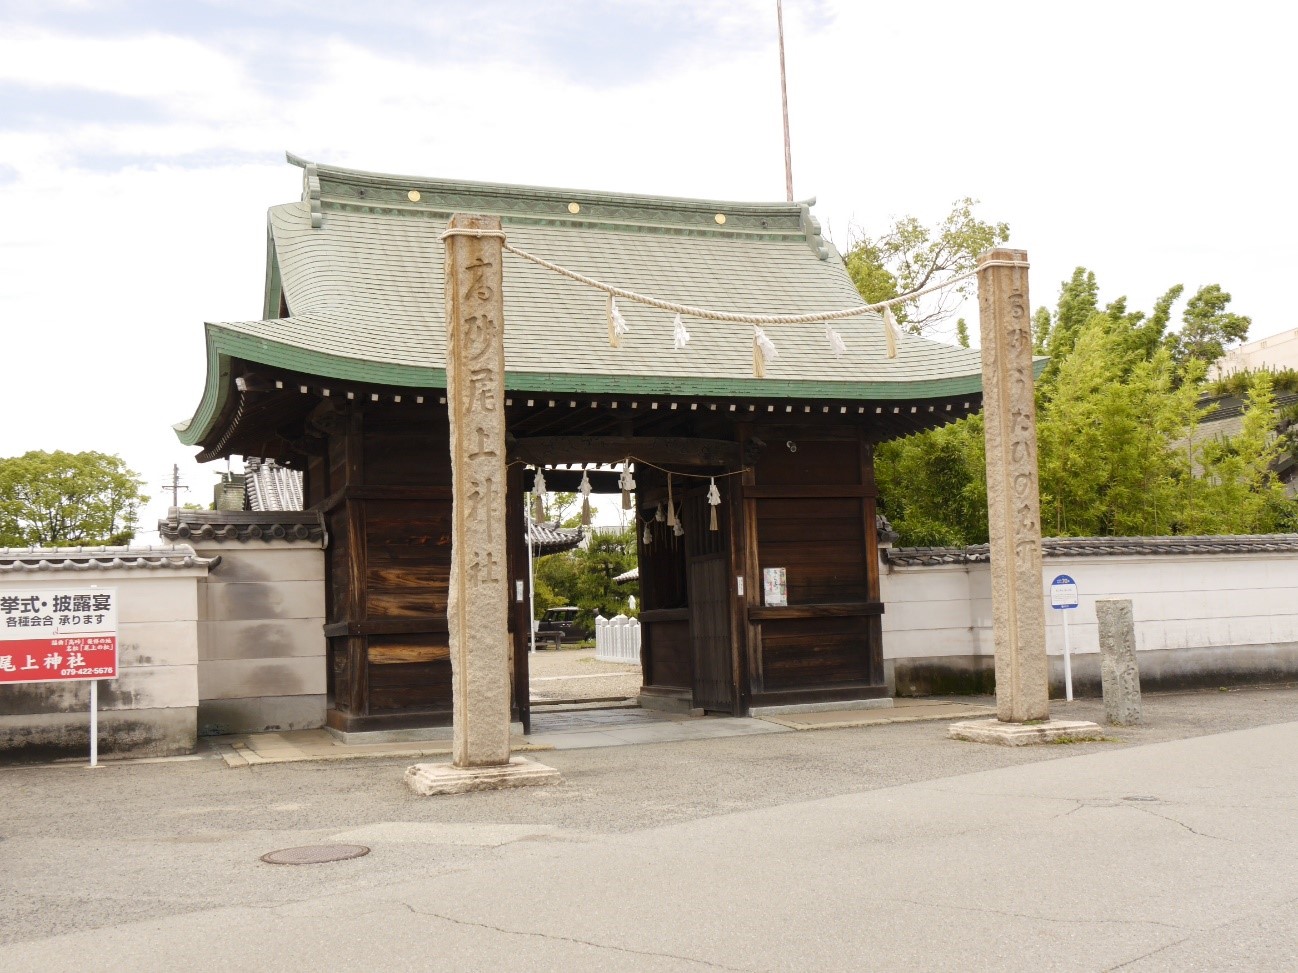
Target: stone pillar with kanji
(1014, 512)
(478, 601)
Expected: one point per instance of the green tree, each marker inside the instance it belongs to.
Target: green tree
(584, 576)
(910, 256)
(933, 485)
(1118, 453)
(1208, 328)
(65, 499)
(1107, 431)
(1239, 492)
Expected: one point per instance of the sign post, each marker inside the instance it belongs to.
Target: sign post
(59, 634)
(1063, 596)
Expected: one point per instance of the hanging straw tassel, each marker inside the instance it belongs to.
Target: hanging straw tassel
(763, 352)
(677, 529)
(626, 483)
(890, 331)
(659, 514)
(585, 489)
(835, 340)
(672, 522)
(617, 326)
(538, 489)
(680, 337)
(714, 501)
(648, 536)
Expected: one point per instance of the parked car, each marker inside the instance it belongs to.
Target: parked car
(560, 625)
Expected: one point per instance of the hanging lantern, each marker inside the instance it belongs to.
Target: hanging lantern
(627, 483)
(714, 501)
(585, 489)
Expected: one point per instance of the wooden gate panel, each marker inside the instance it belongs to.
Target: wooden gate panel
(710, 633)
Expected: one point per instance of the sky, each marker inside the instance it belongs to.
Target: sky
(141, 144)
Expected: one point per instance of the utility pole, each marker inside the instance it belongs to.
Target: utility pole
(175, 486)
(784, 100)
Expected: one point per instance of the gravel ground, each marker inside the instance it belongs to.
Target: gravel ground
(577, 674)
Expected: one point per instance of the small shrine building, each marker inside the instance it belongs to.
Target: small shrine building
(343, 377)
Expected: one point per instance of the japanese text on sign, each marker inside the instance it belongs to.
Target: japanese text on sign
(56, 634)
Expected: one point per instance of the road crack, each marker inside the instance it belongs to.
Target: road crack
(574, 940)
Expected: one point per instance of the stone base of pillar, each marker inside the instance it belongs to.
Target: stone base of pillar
(429, 779)
(1023, 734)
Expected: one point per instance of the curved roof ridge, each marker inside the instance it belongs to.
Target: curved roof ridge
(530, 192)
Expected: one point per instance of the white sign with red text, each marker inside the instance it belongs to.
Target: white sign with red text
(58, 634)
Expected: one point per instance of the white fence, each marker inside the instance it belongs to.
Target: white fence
(617, 639)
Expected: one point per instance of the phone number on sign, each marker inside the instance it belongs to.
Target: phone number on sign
(101, 671)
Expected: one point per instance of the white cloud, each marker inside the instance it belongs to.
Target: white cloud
(1144, 144)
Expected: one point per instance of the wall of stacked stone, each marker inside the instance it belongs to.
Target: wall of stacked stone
(261, 645)
(151, 708)
(1209, 612)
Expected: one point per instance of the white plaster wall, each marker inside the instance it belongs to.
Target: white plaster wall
(157, 685)
(261, 644)
(1179, 602)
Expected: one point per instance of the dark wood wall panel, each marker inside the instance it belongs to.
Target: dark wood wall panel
(409, 564)
(820, 462)
(710, 632)
(807, 652)
(339, 556)
(339, 679)
(821, 545)
(403, 453)
(667, 651)
(409, 686)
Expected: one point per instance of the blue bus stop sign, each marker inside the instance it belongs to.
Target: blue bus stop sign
(1063, 592)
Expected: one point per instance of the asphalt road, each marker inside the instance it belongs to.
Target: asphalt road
(1170, 847)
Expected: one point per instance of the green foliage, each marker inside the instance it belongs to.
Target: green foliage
(1239, 492)
(962, 332)
(933, 485)
(1120, 450)
(1106, 431)
(1207, 327)
(584, 577)
(66, 499)
(910, 256)
(1285, 380)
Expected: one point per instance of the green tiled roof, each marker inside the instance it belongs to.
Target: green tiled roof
(361, 268)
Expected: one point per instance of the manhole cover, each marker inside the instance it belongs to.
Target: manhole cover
(314, 854)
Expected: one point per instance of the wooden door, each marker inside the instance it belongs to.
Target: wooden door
(710, 633)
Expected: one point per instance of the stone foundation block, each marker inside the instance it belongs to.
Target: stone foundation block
(430, 779)
(1022, 734)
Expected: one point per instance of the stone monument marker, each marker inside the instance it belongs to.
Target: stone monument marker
(1119, 674)
(1013, 503)
(1014, 512)
(478, 602)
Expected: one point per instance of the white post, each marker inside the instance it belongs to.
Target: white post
(531, 579)
(1068, 663)
(94, 722)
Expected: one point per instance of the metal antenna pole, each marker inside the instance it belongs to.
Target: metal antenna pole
(784, 100)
